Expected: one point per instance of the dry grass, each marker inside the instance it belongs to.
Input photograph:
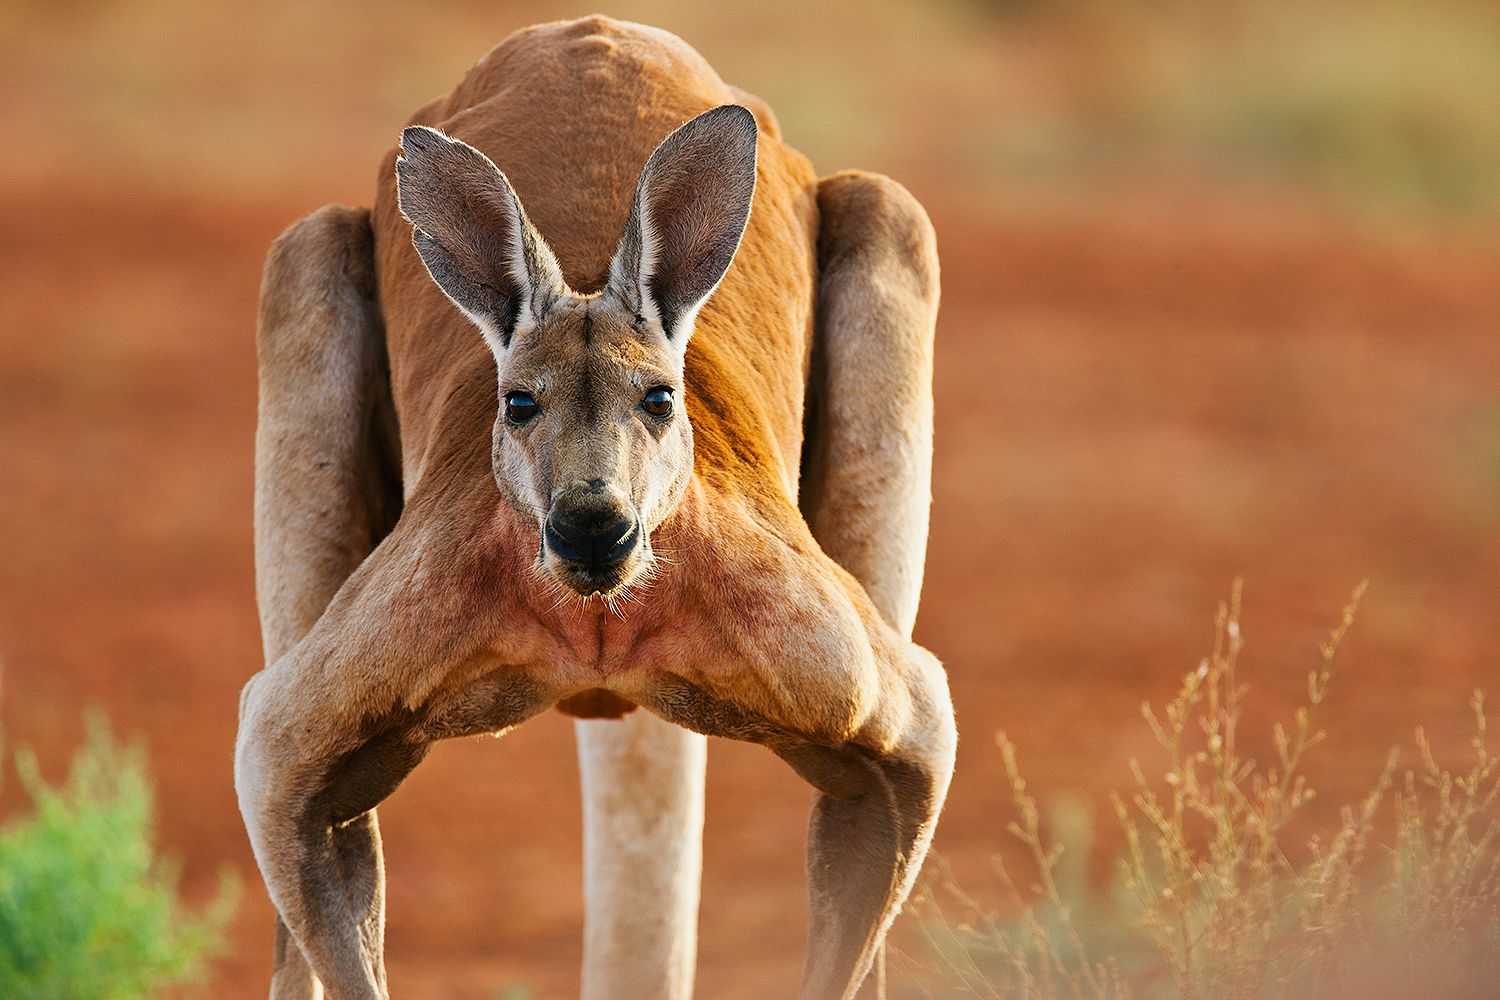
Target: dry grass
(1215, 898)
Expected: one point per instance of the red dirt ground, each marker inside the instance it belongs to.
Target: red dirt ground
(1133, 410)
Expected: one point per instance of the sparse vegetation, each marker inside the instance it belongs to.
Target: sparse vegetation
(87, 909)
(1386, 108)
(1214, 898)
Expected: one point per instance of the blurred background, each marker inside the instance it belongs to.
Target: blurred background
(1221, 299)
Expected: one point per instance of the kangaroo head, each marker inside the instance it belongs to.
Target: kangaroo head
(591, 440)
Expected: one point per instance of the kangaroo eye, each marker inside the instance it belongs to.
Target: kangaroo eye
(520, 407)
(658, 402)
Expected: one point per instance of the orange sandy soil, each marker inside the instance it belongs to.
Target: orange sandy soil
(1134, 409)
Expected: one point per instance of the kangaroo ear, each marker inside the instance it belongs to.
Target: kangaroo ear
(471, 232)
(690, 210)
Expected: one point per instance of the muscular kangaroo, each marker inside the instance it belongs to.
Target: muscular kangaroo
(608, 403)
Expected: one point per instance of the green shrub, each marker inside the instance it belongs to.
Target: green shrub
(87, 910)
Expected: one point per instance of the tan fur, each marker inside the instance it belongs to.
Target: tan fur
(751, 624)
(643, 794)
(870, 454)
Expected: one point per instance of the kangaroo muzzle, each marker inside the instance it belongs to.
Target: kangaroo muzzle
(593, 534)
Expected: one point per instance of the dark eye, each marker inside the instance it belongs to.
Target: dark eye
(520, 407)
(658, 402)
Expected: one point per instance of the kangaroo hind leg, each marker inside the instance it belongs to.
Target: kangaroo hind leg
(867, 462)
(326, 489)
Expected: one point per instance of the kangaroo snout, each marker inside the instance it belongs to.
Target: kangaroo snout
(595, 538)
(594, 531)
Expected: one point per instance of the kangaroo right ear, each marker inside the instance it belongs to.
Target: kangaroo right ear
(690, 210)
(471, 232)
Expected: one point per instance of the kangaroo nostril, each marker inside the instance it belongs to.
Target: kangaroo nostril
(563, 541)
(612, 537)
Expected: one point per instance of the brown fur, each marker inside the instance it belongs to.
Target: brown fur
(750, 629)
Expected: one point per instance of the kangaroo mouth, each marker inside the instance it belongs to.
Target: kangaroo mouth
(590, 581)
(601, 571)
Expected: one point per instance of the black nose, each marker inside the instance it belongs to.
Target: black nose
(593, 537)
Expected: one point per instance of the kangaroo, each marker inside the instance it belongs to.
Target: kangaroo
(660, 439)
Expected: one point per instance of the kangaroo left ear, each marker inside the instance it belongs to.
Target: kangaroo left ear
(690, 210)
